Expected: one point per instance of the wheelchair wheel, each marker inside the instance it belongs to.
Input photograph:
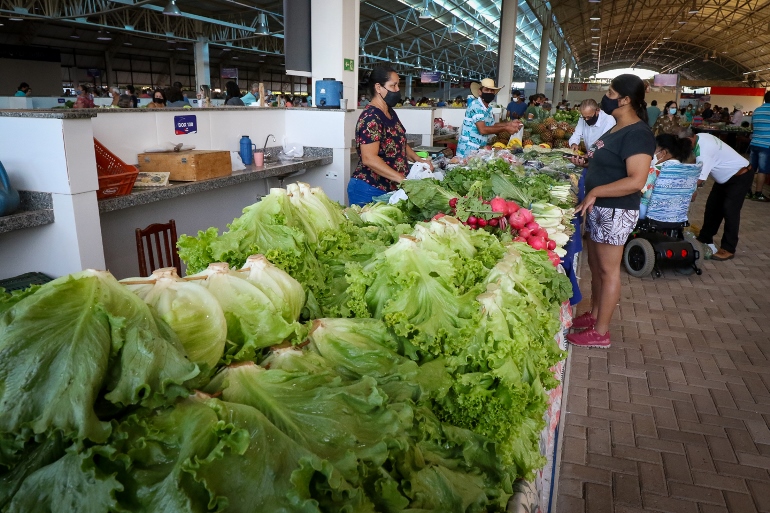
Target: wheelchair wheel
(639, 258)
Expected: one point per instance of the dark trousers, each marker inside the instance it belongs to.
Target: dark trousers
(724, 203)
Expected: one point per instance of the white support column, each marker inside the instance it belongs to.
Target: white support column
(408, 86)
(565, 88)
(202, 69)
(448, 90)
(542, 72)
(334, 38)
(506, 49)
(108, 69)
(557, 76)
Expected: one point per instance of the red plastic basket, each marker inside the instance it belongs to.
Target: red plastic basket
(116, 178)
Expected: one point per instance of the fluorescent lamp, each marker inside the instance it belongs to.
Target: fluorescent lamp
(171, 9)
(694, 8)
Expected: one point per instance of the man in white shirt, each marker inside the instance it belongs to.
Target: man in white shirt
(737, 116)
(593, 124)
(733, 176)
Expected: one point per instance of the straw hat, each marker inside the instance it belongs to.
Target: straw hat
(487, 82)
(738, 106)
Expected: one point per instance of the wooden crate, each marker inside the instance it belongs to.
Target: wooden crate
(188, 166)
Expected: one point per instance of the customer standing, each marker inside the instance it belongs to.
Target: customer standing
(517, 106)
(707, 112)
(380, 141)
(252, 96)
(618, 165)
(759, 150)
(23, 89)
(158, 100)
(669, 121)
(736, 118)
(653, 113)
(233, 98)
(593, 123)
(732, 176)
(479, 122)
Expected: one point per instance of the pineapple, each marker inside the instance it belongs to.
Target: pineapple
(527, 133)
(559, 134)
(563, 125)
(504, 137)
(536, 139)
(528, 142)
(547, 136)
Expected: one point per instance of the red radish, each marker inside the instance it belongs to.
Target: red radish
(511, 207)
(554, 258)
(520, 239)
(532, 225)
(493, 222)
(453, 203)
(498, 205)
(472, 220)
(525, 232)
(439, 216)
(527, 215)
(541, 232)
(536, 242)
(482, 222)
(517, 220)
(551, 245)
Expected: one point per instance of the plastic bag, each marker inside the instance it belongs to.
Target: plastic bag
(422, 170)
(398, 196)
(291, 149)
(236, 162)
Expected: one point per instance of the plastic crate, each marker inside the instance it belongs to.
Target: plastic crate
(116, 178)
(24, 281)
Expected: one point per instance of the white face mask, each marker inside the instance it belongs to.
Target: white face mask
(654, 159)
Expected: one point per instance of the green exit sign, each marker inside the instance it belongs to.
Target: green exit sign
(350, 65)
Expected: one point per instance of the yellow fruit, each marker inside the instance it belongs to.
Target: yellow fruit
(498, 145)
(528, 146)
(544, 145)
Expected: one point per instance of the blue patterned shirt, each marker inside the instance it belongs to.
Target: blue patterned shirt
(761, 123)
(470, 137)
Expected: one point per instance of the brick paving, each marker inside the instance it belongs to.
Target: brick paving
(675, 416)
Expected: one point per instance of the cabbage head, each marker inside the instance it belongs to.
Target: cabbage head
(285, 292)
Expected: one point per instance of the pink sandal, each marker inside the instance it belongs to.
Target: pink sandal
(589, 338)
(584, 321)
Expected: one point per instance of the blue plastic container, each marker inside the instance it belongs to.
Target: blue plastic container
(247, 150)
(328, 93)
(9, 197)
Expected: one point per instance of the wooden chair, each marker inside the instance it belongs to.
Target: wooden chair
(157, 243)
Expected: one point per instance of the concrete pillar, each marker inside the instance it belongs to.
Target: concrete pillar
(505, 49)
(565, 87)
(557, 76)
(408, 86)
(542, 72)
(108, 69)
(171, 70)
(334, 39)
(448, 90)
(202, 69)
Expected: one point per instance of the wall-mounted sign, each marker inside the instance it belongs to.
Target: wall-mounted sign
(666, 80)
(430, 77)
(578, 87)
(349, 65)
(62, 100)
(230, 73)
(94, 73)
(185, 125)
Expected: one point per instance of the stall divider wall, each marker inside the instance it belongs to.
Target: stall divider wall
(451, 115)
(51, 155)
(419, 121)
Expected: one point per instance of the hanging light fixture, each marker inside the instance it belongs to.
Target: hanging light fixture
(262, 28)
(694, 8)
(103, 36)
(74, 35)
(425, 10)
(171, 9)
(476, 41)
(453, 28)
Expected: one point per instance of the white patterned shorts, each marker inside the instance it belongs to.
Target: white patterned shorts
(611, 225)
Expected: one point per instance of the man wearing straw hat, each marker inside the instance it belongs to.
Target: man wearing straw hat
(478, 122)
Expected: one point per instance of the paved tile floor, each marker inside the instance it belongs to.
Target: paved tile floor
(674, 416)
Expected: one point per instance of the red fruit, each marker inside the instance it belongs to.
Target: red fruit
(532, 225)
(525, 232)
(520, 239)
(511, 207)
(541, 232)
(551, 245)
(498, 205)
(439, 216)
(472, 220)
(482, 222)
(536, 242)
(493, 222)
(453, 203)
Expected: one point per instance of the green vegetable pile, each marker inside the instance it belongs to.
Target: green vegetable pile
(315, 360)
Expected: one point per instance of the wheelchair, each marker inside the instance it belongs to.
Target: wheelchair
(658, 241)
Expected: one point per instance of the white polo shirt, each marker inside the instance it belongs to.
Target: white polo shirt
(718, 159)
(591, 134)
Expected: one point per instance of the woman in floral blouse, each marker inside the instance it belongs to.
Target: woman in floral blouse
(380, 141)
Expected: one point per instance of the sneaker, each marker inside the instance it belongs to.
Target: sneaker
(761, 197)
(584, 321)
(589, 338)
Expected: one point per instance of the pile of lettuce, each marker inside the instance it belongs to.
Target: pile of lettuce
(313, 359)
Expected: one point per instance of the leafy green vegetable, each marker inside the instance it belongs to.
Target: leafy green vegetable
(283, 290)
(426, 198)
(72, 339)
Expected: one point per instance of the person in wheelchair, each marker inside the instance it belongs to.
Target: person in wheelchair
(663, 213)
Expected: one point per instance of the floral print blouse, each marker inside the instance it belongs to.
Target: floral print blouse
(374, 126)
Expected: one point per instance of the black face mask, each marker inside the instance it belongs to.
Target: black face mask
(609, 105)
(158, 100)
(488, 97)
(592, 120)
(392, 98)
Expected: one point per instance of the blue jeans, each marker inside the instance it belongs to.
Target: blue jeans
(360, 193)
(760, 159)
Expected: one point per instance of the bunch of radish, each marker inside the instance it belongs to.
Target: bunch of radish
(520, 221)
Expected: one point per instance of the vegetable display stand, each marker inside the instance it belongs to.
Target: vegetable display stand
(116, 178)
(24, 281)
